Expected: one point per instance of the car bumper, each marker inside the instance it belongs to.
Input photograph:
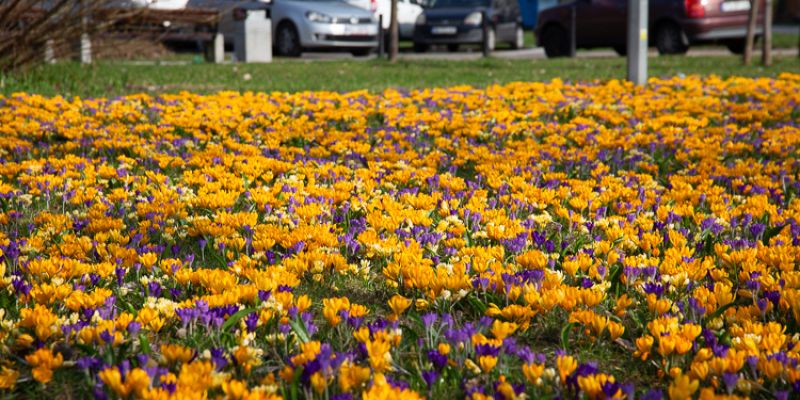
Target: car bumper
(464, 34)
(406, 31)
(724, 33)
(716, 28)
(340, 35)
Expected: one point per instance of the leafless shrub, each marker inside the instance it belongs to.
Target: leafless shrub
(29, 27)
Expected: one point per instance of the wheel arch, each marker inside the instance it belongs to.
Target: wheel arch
(287, 21)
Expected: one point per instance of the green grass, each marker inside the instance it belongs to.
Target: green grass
(110, 79)
(785, 40)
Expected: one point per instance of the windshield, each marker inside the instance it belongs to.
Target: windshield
(459, 3)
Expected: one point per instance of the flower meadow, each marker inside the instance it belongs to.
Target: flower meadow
(534, 240)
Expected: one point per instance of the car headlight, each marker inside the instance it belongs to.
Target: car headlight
(474, 18)
(314, 16)
(421, 20)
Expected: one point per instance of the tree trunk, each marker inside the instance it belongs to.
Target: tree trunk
(766, 53)
(393, 34)
(752, 22)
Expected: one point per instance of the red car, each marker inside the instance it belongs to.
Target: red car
(674, 25)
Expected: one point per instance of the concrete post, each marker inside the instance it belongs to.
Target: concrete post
(86, 49)
(85, 43)
(253, 41)
(637, 41)
(49, 52)
(218, 48)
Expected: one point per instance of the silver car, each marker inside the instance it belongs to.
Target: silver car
(299, 25)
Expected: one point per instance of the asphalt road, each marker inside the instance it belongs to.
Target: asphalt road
(474, 52)
(528, 53)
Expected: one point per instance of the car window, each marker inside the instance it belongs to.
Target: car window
(513, 7)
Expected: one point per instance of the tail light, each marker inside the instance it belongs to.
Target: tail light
(695, 8)
(373, 5)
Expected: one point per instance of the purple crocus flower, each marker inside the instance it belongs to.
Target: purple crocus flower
(430, 377)
(653, 394)
(428, 320)
(251, 321)
(438, 360)
(730, 380)
(134, 327)
(218, 358)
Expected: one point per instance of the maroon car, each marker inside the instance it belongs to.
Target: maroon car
(674, 25)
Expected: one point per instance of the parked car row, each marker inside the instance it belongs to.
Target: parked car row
(297, 25)
(457, 22)
(674, 25)
(352, 25)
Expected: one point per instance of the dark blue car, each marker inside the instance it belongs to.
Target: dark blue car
(457, 22)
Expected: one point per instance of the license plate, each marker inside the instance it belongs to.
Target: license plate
(443, 30)
(356, 30)
(731, 6)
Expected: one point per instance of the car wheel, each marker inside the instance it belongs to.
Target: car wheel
(671, 40)
(452, 48)
(555, 41)
(737, 46)
(621, 49)
(361, 52)
(519, 38)
(287, 41)
(420, 47)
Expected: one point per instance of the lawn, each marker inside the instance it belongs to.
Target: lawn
(110, 79)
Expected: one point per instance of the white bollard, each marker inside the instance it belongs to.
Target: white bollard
(49, 52)
(86, 49)
(218, 48)
(253, 41)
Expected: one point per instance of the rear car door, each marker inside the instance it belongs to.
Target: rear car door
(600, 22)
(407, 13)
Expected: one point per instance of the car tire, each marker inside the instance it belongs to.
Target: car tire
(621, 49)
(287, 41)
(421, 47)
(453, 48)
(670, 39)
(361, 52)
(519, 38)
(555, 41)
